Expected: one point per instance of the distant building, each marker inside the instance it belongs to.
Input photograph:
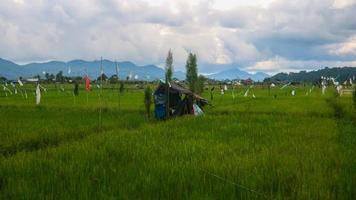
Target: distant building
(248, 81)
(31, 80)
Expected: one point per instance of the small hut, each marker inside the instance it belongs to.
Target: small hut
(182, 101)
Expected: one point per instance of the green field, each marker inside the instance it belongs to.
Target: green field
(301, 147)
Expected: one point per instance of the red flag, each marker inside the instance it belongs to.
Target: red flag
(87, 83)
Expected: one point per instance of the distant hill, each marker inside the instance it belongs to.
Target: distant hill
(236, 73)
(341, 75)
(11, 70)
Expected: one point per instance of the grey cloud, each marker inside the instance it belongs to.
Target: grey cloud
(294, 29)
(301, 31)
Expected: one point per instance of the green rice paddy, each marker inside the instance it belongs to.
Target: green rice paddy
(274, 146)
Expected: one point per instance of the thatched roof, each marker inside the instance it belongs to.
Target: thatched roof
(174, 88)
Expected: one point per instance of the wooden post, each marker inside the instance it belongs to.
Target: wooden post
(101, 93)
(167, 98)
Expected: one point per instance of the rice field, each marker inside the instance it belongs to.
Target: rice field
(274, 146)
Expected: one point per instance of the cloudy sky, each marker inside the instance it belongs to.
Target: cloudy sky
(255, 35)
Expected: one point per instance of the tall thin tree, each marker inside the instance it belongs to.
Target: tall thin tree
(168, 76)
(169, 66)
(192, 71)
(200, 84)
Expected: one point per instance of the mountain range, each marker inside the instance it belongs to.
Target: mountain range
(11, 70)
(236, 73)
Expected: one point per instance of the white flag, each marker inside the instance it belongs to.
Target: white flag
(136, 77)
(339, 88)
(312, 88)
(293, 92)
(7, 89)
(323, 89)
(38, 94)
(284, 86)
(20, 82)
(43, 88)
(246, 93)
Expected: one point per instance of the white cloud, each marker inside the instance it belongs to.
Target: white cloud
(346, 48)
(343, 3)
(280, 64)
(273, 65)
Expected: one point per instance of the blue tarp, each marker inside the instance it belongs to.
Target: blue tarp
(160, 111)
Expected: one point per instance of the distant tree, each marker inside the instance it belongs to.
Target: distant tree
(341, 74)
(113, 79)
(169, 66)
(51, 77)
(192, 71)
(78, 78)
(59, 76)
(148, 100)
(47, 77)
(102, 77)
(2, 79)
(200, 84)
(37, 76)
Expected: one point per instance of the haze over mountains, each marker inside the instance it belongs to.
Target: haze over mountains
(236, 73)
(11, 70)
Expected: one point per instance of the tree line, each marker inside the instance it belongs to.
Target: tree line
(340, 74)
